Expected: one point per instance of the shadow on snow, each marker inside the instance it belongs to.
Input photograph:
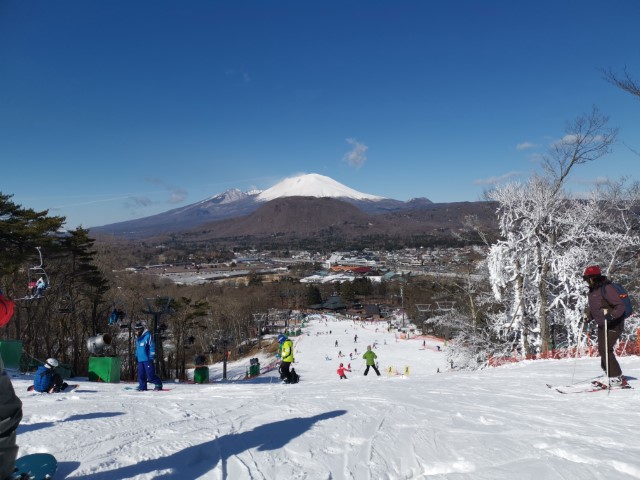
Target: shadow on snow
(195, 461)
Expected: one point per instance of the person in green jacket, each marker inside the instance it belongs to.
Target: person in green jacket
(370, 357)
(10, 416)
(286, 351)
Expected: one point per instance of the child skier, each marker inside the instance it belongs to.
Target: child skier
(341, 370)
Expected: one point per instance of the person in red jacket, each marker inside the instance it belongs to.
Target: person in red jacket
(341, 370)
(607, 310)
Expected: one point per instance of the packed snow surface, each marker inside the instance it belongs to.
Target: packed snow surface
(418, 420)
(312, 185)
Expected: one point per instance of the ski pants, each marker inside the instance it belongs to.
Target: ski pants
(613, 334)
(285, 374)
(366, 370)
(147, 373)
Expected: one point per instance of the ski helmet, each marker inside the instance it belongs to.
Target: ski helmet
(592, 271)
(138, 326)
(51, 363)
(281, 338)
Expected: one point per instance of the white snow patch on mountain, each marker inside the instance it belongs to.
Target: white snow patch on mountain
(312, 185)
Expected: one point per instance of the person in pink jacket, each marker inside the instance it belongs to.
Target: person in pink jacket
(341, 370)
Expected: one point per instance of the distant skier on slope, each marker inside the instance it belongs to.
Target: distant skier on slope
(370, 357)
(341, 370)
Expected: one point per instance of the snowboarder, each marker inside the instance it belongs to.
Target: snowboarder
(47, 379)
(341, 370)
(145, 355)
(286, 352)
(370, 357)
(607, 309)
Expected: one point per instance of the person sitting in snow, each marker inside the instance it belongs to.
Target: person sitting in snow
(341, 370)
(47, 379)
(145, 355)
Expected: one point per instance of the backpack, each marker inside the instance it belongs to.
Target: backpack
(624, 296)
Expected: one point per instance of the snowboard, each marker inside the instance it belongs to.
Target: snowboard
(70, 388)
(134, 389)
(37, 466)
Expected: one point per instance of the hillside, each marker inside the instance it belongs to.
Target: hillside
(496, 424)
(329, 219)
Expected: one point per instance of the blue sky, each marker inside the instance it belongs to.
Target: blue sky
(113, 110)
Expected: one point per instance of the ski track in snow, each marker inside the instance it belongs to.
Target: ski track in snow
(494, 424)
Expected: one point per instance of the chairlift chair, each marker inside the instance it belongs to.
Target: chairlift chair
(38, 280)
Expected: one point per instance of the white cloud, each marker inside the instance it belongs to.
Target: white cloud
(176, 194)
(525, 146)
(497, 180)
(356, 157)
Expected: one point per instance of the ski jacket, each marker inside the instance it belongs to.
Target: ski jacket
(287, 351)
(342, 370)
(145, 347)
(611, 303)
(10, 416)
(370, 357)
(43, 379)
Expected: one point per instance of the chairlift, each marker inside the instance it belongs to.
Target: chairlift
(118, 313)
(65, 301)
(37, 280)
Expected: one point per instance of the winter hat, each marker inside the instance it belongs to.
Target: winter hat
(138, 326)
(281, 338)
(342, 365)
(51, 363)
(592, 271)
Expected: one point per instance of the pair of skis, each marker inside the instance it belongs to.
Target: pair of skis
(593, 386)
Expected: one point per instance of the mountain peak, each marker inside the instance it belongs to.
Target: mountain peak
(312, 185)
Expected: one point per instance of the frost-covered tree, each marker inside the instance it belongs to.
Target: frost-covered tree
(547, 237)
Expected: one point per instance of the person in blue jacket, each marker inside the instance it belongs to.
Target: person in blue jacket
(145, 355)
(47, 379)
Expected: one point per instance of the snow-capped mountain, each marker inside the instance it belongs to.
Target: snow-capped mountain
(313, 185)
(234, 203)
(228, 196)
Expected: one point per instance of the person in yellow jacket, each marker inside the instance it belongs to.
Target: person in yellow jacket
(286, 352)
(370, 357)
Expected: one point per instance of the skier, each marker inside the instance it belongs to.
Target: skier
(607, 309)
(370, 357)
(286, 352)
(341, 370)
(145, 355)
(10, 416)
(47, 379)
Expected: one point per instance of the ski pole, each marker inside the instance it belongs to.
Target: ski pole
(575, 361)
(606, 354)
